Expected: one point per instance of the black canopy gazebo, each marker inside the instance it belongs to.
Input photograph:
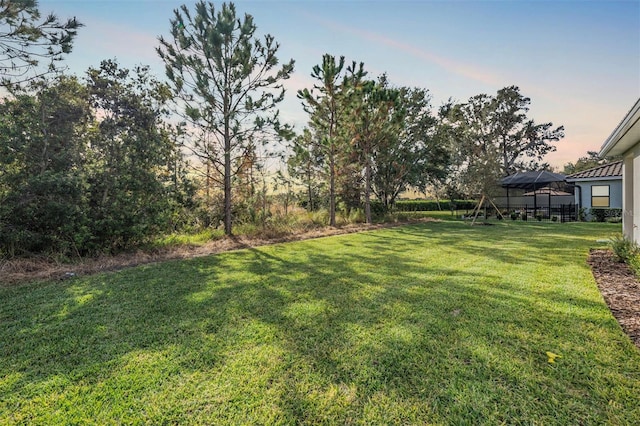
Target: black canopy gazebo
(532, 181)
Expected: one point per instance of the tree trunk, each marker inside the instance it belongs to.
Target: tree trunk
(367, 192)
(227, 167)
(310, 190)
(227, 184)
(332, 191)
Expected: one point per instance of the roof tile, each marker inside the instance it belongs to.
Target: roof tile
(604, 171)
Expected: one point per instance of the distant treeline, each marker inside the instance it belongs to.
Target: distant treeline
(427, 205)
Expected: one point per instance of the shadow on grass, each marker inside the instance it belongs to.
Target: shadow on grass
(358, 318)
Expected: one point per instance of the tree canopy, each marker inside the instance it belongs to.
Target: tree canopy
(493, 137)
(26, 40)
(228, 83)
(589, 161)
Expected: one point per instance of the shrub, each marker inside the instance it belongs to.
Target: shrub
(319, 217)
(356, 216)
(626, 250)
(514, 215)
(430, 205)
(599, 215)
(554, 218)
(582, 214)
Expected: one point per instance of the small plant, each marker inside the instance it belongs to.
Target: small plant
(599, 215)
(524, 216)
(539, 217)
(554, 218)
(514, 215)
(626, 250)
(582, 214)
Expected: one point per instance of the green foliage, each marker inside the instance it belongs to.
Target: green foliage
(492, 137)
(604, 215)
(43, 205)
(135, 158)
(365, 137)
(412, 155)
(582, 214)
(425, 205)
(591, 160)
(599, 215)
(72, 183)
(326, 106)
(437, 323)
(229, 82)
(625, 249)
(25, 40)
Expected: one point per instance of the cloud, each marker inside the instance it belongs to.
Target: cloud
(460, 68)
(116, 40)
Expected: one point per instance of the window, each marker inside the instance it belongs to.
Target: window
(600, 196)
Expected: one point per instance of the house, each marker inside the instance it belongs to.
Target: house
(625, 141)
(598, 188)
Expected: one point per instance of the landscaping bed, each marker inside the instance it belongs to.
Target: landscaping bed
(620, 288)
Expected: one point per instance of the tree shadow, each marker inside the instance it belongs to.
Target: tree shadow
(356, 317)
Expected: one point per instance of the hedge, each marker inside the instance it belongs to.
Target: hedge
(426, 205)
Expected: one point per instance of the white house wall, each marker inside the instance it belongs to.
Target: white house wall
(631, 199)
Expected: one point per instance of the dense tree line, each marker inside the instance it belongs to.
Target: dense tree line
(88, 165)
(115, 157)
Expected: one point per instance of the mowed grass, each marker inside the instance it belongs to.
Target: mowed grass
(436, 323)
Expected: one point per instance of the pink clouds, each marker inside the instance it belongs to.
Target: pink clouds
(115, 40)
(463, 69)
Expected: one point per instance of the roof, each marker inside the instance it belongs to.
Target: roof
(606, 171)
(546, 191)
(625, 135)
(531, 180)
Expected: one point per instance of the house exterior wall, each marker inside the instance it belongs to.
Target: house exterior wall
(584, 193)
(625, 141)
(631, 199)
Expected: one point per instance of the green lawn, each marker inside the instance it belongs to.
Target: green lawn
(437, 323)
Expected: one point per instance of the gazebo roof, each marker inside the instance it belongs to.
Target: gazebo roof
(546, 191)
(531, 180)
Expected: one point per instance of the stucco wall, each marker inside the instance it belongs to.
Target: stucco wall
(631, 208)
(615, 193)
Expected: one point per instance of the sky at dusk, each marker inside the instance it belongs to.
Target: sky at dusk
(578, 61)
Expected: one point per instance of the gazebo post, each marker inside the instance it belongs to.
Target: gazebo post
(535, 201)
(527, 180)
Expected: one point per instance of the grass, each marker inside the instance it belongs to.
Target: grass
(437, 323)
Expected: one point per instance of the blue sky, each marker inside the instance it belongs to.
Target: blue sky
(578, 61)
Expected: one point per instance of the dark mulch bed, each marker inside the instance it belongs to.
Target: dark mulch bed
(620, 289)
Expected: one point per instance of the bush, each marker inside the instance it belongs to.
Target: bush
(356, 216)
(626, 250)
(582, 214)
(319, 217)
(430, 205)
(599, 215)
(606, 215)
